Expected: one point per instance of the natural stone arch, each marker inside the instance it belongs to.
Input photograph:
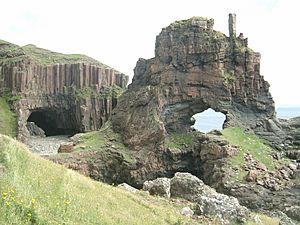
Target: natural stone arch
(194, 68)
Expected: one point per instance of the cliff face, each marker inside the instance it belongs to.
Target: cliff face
(196, 68)
(73, 92)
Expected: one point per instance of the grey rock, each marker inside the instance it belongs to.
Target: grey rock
(186, 211)
(189, 187)
(34, 130)
(159, 186)
(127, 187)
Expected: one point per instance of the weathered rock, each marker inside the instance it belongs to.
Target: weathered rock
(252, 175)
(66, 147)
(186, 211)
(127, 187)
(34, 130)
(293, 212)
(284, 219)
(159, 186)
(70, 94)
(195, 68)
(258, 197)
(187, 186)
(224, 207)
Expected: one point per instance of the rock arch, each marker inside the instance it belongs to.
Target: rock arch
(195, 68)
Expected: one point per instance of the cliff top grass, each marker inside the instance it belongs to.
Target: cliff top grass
(11, 53)
(8, 121)
(34, 190)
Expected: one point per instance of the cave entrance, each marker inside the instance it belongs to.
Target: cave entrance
(53, 123)
(209, 120)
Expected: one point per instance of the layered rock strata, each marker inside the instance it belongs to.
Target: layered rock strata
(196, 68)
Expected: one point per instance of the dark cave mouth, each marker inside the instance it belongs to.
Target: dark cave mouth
(209, 120)
(54, 123)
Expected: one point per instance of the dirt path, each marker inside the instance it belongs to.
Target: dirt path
(46, 145)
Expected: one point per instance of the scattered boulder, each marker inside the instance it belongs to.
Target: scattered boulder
(127, 187)
(67, 147)
(222, 206)
(186, 211)
(189, 187)
(159, 186)
(34, 130)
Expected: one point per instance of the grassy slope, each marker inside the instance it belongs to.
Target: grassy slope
(101, 139)
(36, 191)
(249, 143)
(8, 121)
(11, 53)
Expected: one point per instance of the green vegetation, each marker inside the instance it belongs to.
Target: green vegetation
(249, 143)
(179, 141)
(11, 53)
(106, 92)
(9, 97)
(36, 191)
(46, 57)
(103, 139)
(229, 76)
(8, 121)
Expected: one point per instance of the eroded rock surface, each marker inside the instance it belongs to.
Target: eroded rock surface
(68, 93)
(195, 68)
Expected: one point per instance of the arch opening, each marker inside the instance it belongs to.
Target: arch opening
(208, 120)
(53, 123)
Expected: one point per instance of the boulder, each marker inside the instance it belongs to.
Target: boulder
(67, 147)
(127, 187)
(34, 130)
(159, 186)
(186, 211)
(189, 187)
(222, 206)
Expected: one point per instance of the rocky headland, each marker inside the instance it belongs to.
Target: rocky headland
(146, 133)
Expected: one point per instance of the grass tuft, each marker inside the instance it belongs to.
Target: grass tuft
(8, 121)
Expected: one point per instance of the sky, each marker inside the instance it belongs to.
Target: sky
(119, 32)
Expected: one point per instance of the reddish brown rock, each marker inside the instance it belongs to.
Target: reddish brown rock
(66, 147)
(195, 68)
(252, 175)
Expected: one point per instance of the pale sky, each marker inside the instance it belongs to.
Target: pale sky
(118, 32)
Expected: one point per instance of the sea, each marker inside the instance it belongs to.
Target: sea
(210, 120)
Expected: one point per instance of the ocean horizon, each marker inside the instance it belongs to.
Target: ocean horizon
(210, 120)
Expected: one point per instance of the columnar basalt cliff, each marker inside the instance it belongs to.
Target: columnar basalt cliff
(61, 93)
(196, 68)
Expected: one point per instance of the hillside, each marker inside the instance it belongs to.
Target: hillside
(10, 53)
(36, 191)
(8, 121)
